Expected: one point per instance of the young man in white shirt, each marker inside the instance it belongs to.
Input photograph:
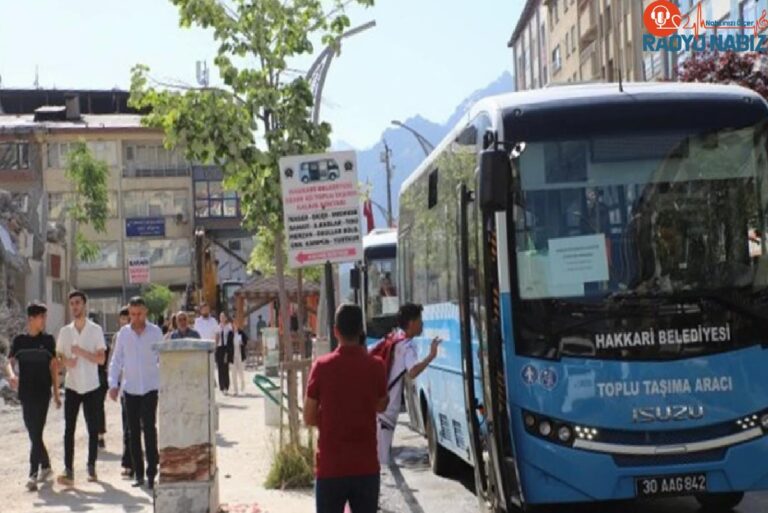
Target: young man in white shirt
(81, 348)
(405, 361)
(136, 359)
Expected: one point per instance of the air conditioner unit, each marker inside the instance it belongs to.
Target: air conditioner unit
(181, 219)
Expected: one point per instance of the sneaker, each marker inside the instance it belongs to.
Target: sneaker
(45, 474)
(32, 484)
(92, 477)
(66, 479)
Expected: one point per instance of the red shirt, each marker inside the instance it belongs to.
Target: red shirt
(347, 384)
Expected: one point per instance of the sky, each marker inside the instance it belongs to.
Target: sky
(423, 57)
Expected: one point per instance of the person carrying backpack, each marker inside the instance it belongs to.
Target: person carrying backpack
(399, 354)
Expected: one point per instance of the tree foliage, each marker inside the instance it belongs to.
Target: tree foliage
(263, 113)
(157, 297)
(744, 69)
(90, 201)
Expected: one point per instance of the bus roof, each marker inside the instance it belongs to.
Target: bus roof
(565, 96)
(380, 237)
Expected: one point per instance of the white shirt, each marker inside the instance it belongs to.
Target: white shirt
(84, 376)
(404, 359)
(238, 339)
(224, 332)
(207, 328)
(135, 357)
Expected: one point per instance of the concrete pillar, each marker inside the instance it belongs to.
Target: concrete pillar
(187, 424)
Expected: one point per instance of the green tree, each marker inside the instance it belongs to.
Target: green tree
(157, 297)
(261, 114)
(89, 205)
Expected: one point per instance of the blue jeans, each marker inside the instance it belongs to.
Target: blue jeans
(362, 493)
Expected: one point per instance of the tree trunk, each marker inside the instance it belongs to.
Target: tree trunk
(287, 343)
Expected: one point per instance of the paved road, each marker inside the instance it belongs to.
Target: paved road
(412, 488)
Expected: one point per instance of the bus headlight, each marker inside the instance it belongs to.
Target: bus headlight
(554, 430)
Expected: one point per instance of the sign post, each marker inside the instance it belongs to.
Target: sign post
(138, 270)
(321, 213)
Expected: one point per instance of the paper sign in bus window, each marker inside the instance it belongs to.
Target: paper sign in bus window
(578, 259)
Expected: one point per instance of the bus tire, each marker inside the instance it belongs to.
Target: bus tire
(438, 455)
(719, 502)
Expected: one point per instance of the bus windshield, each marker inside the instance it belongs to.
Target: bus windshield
(382, 294)
(605, 226)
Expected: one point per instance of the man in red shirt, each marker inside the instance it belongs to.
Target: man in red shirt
(346, 389)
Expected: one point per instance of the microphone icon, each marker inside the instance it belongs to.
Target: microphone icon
(661, 16)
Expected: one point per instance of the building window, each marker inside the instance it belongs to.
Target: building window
(554, 10)
(14, 155)
(105, 311)
(154, 160)
(155, 203)
(58, 204)
(57, 292)
(161, 253)
(235, 245)
(557, 62)
(105, 151)
(107, 259)
(54, 266)
(567, 44)
(573, 38)
(211, 200)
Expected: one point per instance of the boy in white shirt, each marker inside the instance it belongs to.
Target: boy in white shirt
(81, 348)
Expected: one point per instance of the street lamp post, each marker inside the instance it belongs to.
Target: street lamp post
(427, 146)
(319, 70)
(385, 159)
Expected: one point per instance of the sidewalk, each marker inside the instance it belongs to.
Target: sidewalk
(245, 448)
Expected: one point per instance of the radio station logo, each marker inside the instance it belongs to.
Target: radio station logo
(668, 29)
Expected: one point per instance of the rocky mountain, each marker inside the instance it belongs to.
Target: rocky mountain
(406, 151)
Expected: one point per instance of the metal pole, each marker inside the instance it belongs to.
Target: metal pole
(426, 146)
(387, 152)
(331, 300)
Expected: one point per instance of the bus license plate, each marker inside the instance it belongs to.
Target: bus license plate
(685, 484)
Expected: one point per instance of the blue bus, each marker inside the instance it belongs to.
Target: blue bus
(595, 261)
(372, 283)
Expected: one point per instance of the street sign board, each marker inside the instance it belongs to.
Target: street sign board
(145, 227)
(138, 270)
(321, 208)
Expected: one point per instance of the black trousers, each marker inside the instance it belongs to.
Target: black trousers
(102, 416)
(142, 418)
(72, 402)
(126, 459)
(222, 364)
(35, 412)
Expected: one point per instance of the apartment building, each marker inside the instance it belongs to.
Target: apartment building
(158, 208)
(585, 40)
(530, 51)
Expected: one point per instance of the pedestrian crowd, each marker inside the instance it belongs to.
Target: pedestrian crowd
(127, 371)
(353, 397)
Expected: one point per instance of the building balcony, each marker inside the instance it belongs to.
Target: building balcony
(589, 63)
(587, 23)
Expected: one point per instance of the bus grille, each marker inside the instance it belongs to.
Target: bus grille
(678, 459)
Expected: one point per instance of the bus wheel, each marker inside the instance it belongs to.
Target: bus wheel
(719, 502)
(438, 455)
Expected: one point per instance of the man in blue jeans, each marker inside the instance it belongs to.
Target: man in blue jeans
(345, 391)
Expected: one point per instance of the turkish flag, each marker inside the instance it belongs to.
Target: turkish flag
(368, 213)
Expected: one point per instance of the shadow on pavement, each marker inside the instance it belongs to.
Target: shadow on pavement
(80, 500)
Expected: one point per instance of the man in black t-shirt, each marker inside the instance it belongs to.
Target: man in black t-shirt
(35, 354)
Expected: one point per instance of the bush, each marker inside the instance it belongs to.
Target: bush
(157, 297)
(293, 467)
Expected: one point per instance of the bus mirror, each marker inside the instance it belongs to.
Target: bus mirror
(354, 278)
(494, 180)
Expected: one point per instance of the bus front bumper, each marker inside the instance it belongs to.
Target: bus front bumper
(553, 474)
